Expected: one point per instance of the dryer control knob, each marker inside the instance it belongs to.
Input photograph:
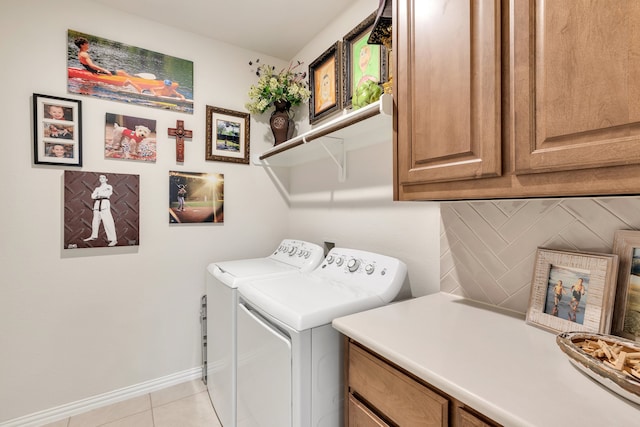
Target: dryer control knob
(340, 261)
(330, 259)
(292, 250)
(370, 268)
(353, 264)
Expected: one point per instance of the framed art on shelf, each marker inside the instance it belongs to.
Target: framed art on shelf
(228, 135)
(57, 130)
(626, 314)
(324, 83)
(361, 61)
(572, 291)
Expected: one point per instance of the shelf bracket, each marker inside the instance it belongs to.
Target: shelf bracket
(338, 156)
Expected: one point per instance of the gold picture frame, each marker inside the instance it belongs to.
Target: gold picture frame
(572, 291)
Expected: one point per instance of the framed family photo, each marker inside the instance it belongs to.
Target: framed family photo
(361, 61)
(626, 315)
(57, 133)
(324, 82)
(572, 291)
(227, 135)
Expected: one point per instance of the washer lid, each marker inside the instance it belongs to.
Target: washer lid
(304, 301)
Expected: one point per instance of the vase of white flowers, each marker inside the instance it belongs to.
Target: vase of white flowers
(283, 90)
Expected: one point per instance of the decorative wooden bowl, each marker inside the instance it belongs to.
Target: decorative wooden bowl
(612, 361)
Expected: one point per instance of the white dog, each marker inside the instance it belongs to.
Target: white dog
(128, 139)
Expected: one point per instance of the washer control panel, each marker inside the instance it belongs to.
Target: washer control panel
(299, 253)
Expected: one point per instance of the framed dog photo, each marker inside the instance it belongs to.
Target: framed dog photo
(361, 61)
(130, 138)
(626, 314)
(324, 82)
(572, 291)
(57, 133)
(227, 135)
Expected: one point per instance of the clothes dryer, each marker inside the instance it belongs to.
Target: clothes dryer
(222, 281)
(289, 356)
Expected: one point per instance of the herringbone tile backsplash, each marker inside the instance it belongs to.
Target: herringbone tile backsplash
(488, 248)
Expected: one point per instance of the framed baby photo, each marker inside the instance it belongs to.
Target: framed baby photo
(626, 313)
(227, 135)
(57, 131)
(325, 83)
(361, 61)
(572, 291)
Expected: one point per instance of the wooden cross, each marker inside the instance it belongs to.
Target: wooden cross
(180, 133)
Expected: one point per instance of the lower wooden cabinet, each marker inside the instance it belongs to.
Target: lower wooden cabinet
(381, 394)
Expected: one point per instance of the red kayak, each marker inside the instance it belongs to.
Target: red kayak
(142, 83)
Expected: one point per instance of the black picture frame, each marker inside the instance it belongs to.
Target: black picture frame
(325, 83)
(57, 130)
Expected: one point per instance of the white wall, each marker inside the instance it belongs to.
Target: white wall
(360, 212)
(77, 323)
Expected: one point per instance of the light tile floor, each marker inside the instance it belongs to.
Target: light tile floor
(183, 405)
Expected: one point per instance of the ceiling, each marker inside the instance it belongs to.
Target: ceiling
(279, 28)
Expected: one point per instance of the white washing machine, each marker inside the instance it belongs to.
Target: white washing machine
(289, 356)
(222, 280)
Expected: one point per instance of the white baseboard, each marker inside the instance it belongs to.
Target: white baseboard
(74, 408)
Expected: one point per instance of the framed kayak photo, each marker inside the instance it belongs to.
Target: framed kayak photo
(57, 130)
(115, 71)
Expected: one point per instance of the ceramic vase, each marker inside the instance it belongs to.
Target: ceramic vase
(281, 123)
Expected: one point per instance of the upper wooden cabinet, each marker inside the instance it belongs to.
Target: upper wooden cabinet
(577, 76)
(516, 98)
(448, 86)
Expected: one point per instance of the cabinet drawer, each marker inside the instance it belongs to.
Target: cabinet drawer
(361, 416)
(467, 419)
(402, 399)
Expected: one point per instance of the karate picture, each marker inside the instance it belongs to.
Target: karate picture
(100, 209)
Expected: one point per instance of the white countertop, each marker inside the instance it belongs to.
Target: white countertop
(491, 360)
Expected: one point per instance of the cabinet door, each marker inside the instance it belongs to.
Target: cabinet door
(447, 90)
(576, 84)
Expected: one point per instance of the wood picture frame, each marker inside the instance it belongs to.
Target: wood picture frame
(57, 130)
(572, 291)
(325, 83)
(626, 313)
(228, 135)
(361, 61)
